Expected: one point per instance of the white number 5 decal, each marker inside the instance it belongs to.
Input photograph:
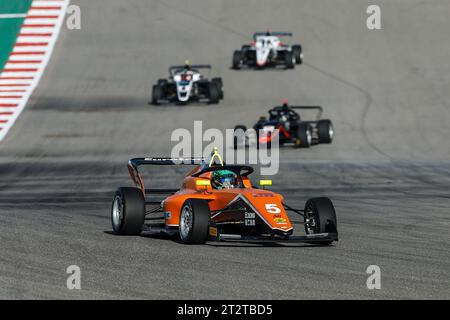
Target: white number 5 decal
(272, 208)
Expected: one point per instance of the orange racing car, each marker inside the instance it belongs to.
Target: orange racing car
(217, 202)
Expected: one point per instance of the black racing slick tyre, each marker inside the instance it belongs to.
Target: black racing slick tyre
(162, 82)
(297, 50)
(325, 131)
(320, 217)
(128, 211)
(213, 93)
(237, 59)
(219, 84)
(157, 94)
(194, 221)
(239, 140)
(303, 138)
(289, 59)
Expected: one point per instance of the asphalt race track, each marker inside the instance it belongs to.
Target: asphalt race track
(388, 171)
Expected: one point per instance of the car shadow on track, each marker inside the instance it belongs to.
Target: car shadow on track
(176, 239)
(89, 104)
(260, 245)
(267, 69)
(182, 105)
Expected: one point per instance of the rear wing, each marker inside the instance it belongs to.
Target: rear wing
(135, 163)
(192, 66)
(318, 108)
(277, 34)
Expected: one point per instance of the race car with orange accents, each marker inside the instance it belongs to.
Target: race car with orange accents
(285, 124)
(217, 202)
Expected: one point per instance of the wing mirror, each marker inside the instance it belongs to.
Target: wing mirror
(202, 183)
(265, 183)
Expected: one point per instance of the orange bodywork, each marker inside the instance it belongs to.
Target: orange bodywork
(267, 204)
(246, 204)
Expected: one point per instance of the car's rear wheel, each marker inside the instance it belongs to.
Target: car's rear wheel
(320, 217)
(213, 93)
(128, 211)
(289, 59)
(219, 84)
(303, 138)
(238, 139)
(298, 54)
(162, 82)
(237, 59)
(194, 221)
(157, 94)
(325, 131)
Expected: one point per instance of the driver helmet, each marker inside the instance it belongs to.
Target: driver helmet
(224, 179)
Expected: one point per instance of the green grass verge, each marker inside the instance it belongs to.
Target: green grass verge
(14, 6)
(10, 27)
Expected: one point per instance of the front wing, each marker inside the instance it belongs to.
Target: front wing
(215, 235)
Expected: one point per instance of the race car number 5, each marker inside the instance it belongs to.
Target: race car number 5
(272, 208)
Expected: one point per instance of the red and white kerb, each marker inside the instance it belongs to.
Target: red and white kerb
(29, 57)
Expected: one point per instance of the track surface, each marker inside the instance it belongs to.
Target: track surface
(387, 172)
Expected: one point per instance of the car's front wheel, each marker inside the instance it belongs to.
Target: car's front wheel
(157, 94)
(289, 59)
(213, 92)
(325, 131)
(194, 221)
(237, 59)
(219, 83)
(298, 54)
(320, 217)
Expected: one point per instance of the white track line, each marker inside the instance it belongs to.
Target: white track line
(12, 16)
(27, 62)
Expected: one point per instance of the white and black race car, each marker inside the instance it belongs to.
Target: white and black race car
(186, 84)
(267, 49)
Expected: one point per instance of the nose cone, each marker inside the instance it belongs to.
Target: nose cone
(261, 56)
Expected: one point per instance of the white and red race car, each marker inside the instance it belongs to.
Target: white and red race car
(267, 49)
